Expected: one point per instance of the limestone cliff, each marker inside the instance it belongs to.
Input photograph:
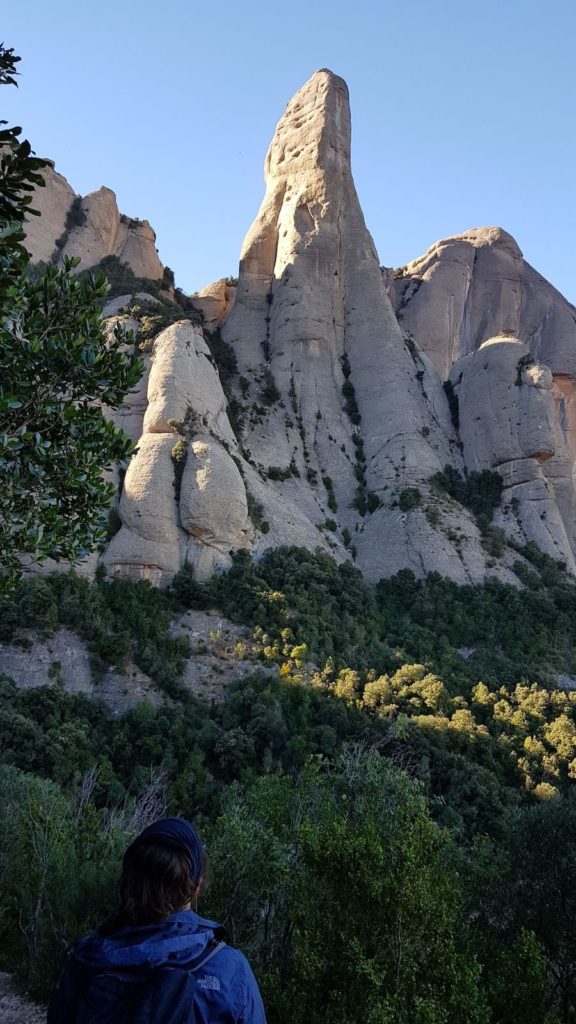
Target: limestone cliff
(310, 409)
(90, 227)
(348, 401)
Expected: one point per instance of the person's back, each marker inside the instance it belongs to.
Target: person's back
(152, 962)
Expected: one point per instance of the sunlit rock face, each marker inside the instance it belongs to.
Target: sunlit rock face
(311, 410)
(475, 286)
(90, 228)
(181, 500)
(215, 302)
(312, 316)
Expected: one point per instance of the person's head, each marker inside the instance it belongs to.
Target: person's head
(162, 872)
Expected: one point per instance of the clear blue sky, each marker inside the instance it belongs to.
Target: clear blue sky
(462, 114)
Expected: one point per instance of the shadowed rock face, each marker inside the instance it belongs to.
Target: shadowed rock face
(215, 302)
(508, 423)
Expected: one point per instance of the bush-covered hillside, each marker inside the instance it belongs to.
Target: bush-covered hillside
(398, 793)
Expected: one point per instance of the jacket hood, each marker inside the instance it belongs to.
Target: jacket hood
(177, 939)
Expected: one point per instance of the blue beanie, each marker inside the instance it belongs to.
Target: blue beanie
(178, 834)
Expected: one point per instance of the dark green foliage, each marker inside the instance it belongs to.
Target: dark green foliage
(478, 750)
(494, 539)
(350, 405)
(345, 861)
(168, 280)
(409, 498)
(117, 620)
(360, 503)
(71, 860)
(74, 218)
(269, 393)
(256, 513)
(480, 492)
(372, 501)
(152, 318)
(179, 455)
(332, 503)
(122, 279)
(114, 523)
(224, 357)
(57, 370)
(279, 473)
(523, 362)
(452, 403)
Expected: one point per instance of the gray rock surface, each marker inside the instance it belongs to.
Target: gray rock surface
(220, 653)
(473, 286)
(90, 227)
(340, 418)
(16, 1009)
(213, 506)
(54, 203)
(508, 423)
(312, 318)
(180, 501)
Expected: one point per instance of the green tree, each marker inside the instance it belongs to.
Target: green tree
(58, 369)
(537, 892)
(339, 886)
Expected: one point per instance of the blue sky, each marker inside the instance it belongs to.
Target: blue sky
(462, 114)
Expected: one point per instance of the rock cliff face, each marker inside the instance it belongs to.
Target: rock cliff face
(314, 330)
(474, 286)
(509, 424)
(90, 227)
(215, 302)
(183, 498)
(318, 414)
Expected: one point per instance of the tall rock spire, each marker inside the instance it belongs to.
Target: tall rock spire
(313, 317)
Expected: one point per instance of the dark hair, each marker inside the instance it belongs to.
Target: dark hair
(156, 881)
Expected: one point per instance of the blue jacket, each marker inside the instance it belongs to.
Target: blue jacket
(226, 991)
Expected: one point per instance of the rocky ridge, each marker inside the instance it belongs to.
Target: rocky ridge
(89, 227)
(324, 396)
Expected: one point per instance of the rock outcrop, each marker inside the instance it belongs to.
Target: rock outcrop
(215, 302)
(313, 329)
(318, 416)
(508, 423)
(90, 227)
(477, 285)
(183, 498)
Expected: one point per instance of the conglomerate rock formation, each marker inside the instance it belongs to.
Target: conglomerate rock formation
(332, 393)
(90, 227)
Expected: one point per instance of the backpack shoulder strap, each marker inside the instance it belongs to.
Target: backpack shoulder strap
(213, 947)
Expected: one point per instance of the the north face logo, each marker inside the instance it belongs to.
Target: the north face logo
(209, 981)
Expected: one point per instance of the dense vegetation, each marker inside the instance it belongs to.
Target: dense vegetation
(371, 801)
(57, 371)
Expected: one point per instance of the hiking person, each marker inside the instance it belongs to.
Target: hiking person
(155, 961)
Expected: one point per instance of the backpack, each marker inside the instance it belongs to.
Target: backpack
(160, 995)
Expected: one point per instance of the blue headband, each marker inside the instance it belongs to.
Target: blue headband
(178, 834)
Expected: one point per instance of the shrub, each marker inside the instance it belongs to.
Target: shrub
(409, 498)
(481, 492)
